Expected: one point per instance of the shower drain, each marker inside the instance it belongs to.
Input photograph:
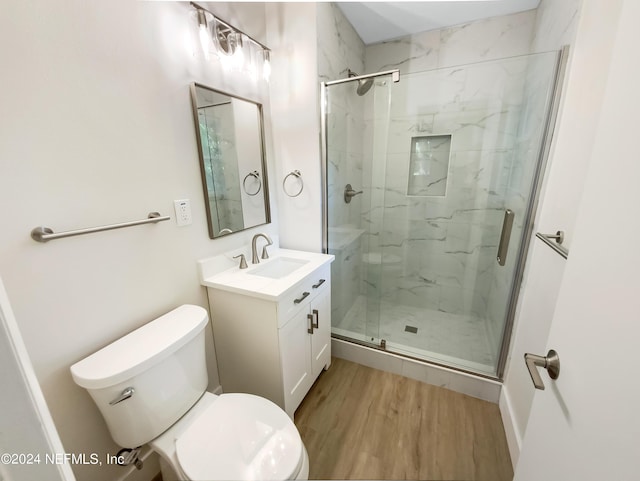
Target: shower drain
(411, 329)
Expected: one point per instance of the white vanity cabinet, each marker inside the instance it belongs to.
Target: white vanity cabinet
(274, 347)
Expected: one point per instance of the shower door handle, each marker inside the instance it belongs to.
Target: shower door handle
(503, 247)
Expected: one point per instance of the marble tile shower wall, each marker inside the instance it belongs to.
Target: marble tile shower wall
(489, 39)
(440, 250)
(340, 49)
(448, 244)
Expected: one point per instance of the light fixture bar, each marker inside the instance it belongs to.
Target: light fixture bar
(228, 25)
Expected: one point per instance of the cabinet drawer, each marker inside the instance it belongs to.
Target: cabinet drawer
(299, 296)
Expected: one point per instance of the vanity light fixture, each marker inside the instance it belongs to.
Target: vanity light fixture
(229, 43)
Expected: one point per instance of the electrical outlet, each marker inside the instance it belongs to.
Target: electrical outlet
(183, 211)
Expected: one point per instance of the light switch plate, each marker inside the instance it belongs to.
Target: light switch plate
(183, 211)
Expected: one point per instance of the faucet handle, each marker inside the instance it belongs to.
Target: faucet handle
(243, 261)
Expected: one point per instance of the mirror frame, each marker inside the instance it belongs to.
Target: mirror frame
(203, 174)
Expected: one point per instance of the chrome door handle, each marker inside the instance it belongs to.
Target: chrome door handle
(503, 247)
(551, 362)
(316, 324)
(310, 328)
(126, 394)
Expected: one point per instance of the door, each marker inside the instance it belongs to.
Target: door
(27, 432)
(586, 424)
(295, 359)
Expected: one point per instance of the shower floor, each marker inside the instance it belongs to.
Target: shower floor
(457, 340)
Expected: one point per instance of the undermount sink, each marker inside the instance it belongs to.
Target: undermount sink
(278, 267)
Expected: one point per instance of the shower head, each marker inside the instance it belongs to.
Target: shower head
(363, 84)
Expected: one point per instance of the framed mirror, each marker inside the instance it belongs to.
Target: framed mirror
(232, 160)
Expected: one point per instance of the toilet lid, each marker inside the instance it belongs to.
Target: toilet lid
(240, 436)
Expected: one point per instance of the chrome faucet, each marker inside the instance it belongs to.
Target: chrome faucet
(254, 251)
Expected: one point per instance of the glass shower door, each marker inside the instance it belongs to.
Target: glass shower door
(356, 122)
(440, 157)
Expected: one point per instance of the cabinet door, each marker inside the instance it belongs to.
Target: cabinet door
(295, 358)
(321, 337)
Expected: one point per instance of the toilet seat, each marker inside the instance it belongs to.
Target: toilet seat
(240, 436)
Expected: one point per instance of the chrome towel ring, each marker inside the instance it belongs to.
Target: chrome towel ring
(297, 175)
(255, 174)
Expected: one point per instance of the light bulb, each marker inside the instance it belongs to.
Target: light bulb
(251, 64)
(203, 31)
(238, 54)
(266, 68)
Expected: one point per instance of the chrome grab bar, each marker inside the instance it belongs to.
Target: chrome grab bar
(556, 246)
(505, 236)
(44, 234)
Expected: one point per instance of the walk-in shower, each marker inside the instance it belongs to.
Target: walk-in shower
(429, 256)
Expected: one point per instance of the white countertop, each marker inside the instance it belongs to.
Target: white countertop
(242, 281)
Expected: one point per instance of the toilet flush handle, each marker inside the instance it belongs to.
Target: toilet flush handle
(126, 394)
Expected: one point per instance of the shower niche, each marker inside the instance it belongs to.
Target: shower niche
(429, 165)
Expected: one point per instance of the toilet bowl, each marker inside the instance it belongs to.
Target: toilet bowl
(150, 387)
(232, 436)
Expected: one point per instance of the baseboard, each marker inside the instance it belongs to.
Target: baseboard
(514, 437)
(481, 388)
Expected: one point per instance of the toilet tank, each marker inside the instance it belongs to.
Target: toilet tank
(162, 363)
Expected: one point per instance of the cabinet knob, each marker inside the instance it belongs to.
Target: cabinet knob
(316, 324)
(320, 282)
(310, 328)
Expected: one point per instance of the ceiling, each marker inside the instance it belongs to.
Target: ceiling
(379, 21)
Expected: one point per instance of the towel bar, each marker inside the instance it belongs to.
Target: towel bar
(559, 237)
(44, 234)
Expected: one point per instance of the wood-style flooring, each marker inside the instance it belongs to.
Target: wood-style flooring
(362, 423)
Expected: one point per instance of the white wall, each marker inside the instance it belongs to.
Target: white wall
(569, 157)
(97, 128)
(291, 35)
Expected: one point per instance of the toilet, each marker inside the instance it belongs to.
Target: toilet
(150, 387)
